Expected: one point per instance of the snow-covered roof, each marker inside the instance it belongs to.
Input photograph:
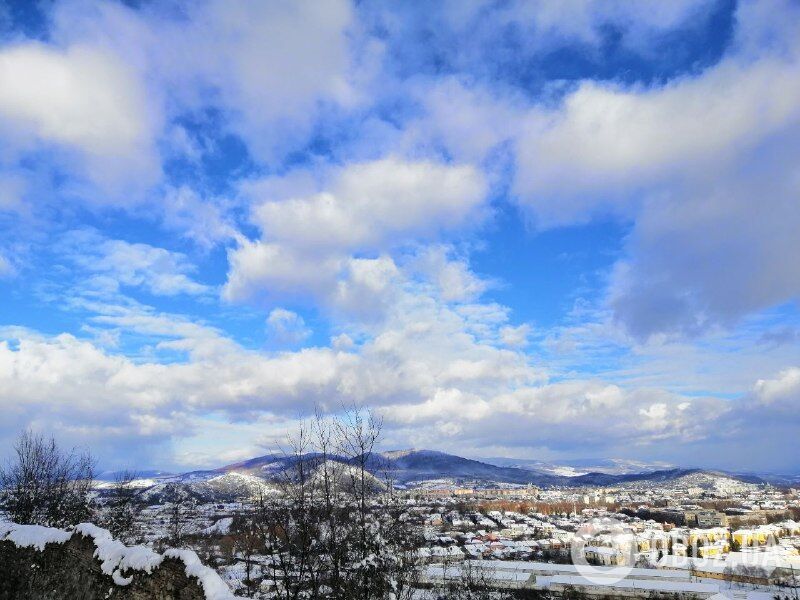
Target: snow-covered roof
(639, 584)
(542, 567)
(765, 560)
(604, 550)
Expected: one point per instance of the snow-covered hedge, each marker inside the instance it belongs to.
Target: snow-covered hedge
(118, 561)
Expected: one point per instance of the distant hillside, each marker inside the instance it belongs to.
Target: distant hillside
(412, 468)
(226, 487)
(111, 476)
(406, 466)
(409, 466)
(415, 466)
(578, 467)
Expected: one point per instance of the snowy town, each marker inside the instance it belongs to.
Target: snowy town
(692, 538)
(417, 524)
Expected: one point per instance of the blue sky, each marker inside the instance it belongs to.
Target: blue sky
(534, 229)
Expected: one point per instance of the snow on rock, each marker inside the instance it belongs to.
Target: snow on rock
(213, 586)
(115, 557)
(36, 536)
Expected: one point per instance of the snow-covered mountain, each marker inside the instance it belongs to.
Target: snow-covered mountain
(409, 467)
(424, 468)
(111, 476)
(224, 487)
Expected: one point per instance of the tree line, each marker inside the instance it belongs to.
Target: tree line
(45, 484)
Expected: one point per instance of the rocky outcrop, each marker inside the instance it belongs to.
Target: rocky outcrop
(41, 563)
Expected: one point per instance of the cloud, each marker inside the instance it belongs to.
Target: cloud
(117, 263)
(5, 267)
(372, 205)
(780, 336)
(450, 274)
(79, 98)
(313, 243)
(287, 327)
(619, 140)
(515, 336)
(782, 392)
(494, 41)
(65, 384)
(593, 417)
(205, 221)
(271, 63)
(429, 371)
(98, 106)
(702, 166)
(765, 420)
(69, 387)
(583, 416)
(585, 21)
(465, 119)
(421, 347)
(261, 267)
(714, 253)
(12, 190)
(268, 67)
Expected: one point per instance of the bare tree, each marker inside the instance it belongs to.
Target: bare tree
(333, 532)
(357, 434)
(328, 475)
(123, 507)
(752, 574)
(291, 524)
(728, 575)
(470, 583)
(45, 485)
(790, 581)
(247, 537)
(179, 515)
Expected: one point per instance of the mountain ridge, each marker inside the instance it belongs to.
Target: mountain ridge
(419, 468)
(411, 467)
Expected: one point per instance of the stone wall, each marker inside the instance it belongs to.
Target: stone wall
(70, 571)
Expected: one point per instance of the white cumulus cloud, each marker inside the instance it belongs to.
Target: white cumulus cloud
(311, 243)
(79, 98)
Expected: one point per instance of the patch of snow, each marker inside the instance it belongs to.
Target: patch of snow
(395, 454)
(32, 536)
(116, 556)
(213, 586)
(233, 476)
(567, 472)
(142, 483)
(222, 527)
(120, 580)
